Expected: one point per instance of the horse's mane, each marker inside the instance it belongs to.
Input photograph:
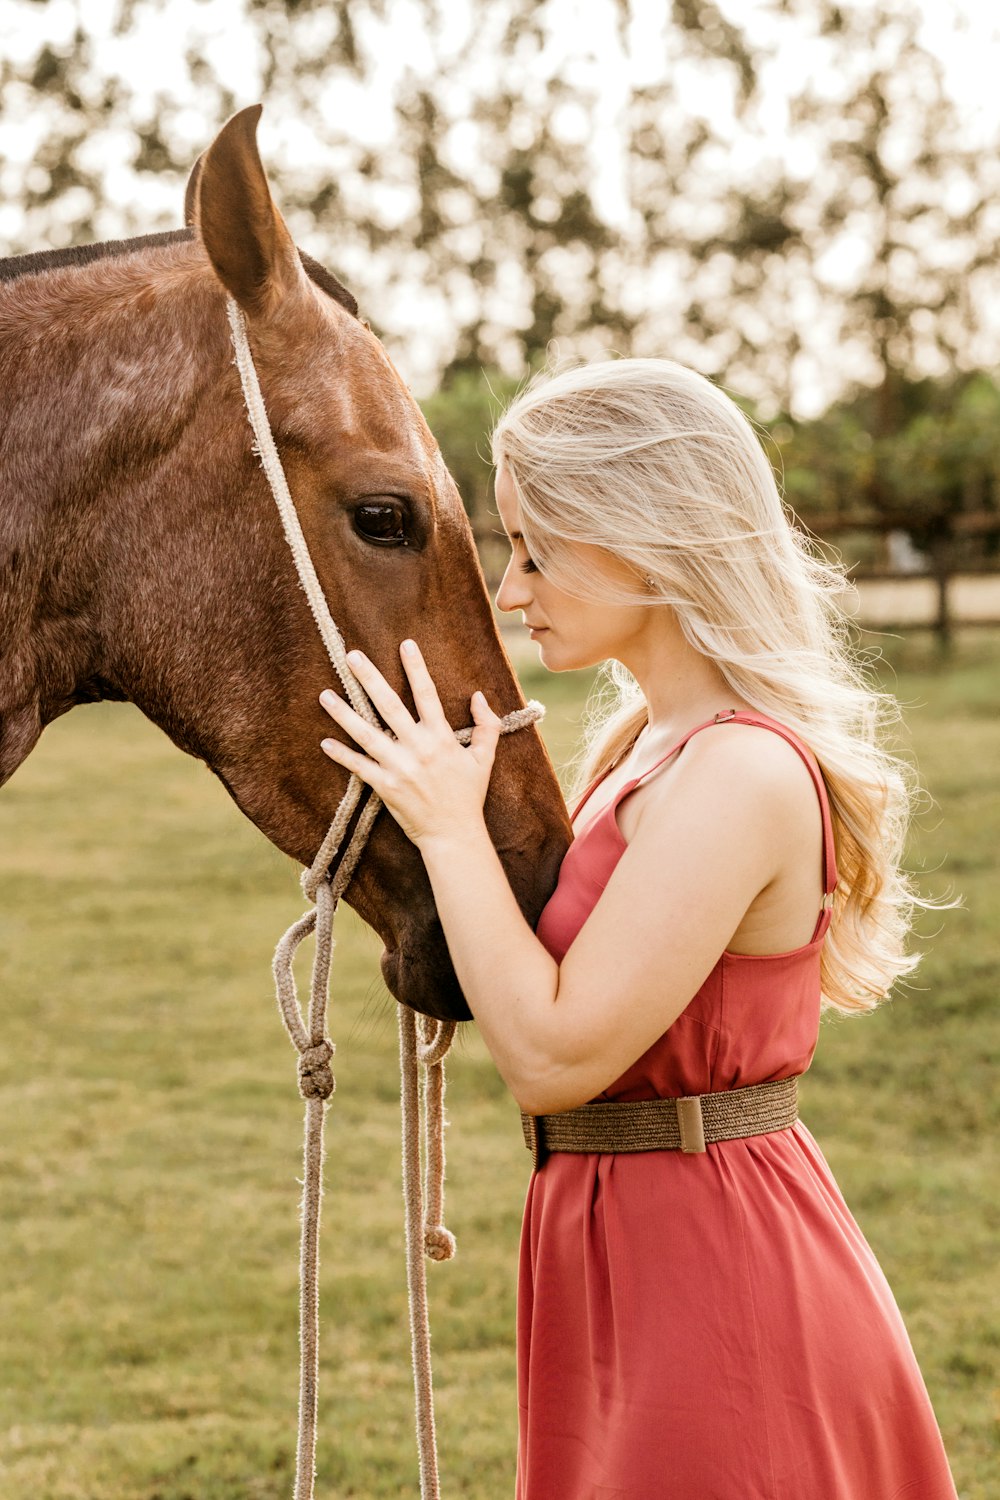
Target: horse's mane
(14, 266)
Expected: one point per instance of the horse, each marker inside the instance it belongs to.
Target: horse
(142, 559)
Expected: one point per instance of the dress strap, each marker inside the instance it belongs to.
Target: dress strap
(760, 721)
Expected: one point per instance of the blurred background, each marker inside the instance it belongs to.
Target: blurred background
(799, 199)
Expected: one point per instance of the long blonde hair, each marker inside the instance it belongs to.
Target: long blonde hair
(653, 463)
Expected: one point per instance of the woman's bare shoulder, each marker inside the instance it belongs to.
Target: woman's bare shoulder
(729, 764)
(763, 752)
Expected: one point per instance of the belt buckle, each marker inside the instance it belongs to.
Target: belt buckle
(690, 1123)
(534, 1137)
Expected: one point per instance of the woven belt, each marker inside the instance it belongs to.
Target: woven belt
(688, 1124)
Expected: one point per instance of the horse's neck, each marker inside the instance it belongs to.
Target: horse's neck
(93, 393)
(43, 639)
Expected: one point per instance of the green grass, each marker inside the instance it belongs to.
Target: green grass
(150, 1135)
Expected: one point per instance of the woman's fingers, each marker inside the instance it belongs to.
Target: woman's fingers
(388, 702)
(380, 746)
(425, 694)
(423, 776)
(369, 736)
(486, 732)
(386, 699)
(362, 765)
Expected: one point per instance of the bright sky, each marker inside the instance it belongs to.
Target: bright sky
(585, 50)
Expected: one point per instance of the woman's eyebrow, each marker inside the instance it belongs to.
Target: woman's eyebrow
(512, 536)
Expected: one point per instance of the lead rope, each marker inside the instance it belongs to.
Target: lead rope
(424, 1204)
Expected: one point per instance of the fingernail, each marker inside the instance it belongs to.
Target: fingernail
(327, 698)
(327, 744)
(410, 647)
(354, 657)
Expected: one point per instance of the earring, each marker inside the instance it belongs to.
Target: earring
(650, 581)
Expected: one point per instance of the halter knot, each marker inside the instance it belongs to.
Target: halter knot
(316, 1080)
(439, 1242)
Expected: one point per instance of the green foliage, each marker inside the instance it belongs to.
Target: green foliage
(935, 476)
(461, 415)
(150, 1134)
(944, 465)
(825, 466)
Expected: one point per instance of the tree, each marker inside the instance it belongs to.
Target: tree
(792, 236)
(468, 221)
(862, 250)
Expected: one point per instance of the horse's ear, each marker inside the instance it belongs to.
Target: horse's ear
(191, 192)
(245, 236)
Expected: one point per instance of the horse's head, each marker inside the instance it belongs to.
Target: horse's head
(215, 639)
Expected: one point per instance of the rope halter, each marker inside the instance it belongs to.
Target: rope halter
(422, 1042)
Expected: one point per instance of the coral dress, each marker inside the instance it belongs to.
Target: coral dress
(712, 1326)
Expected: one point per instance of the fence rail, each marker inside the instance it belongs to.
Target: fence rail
(881, 599)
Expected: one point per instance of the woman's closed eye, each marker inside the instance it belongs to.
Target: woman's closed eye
(528, 566)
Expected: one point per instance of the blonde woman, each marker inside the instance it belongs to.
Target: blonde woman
(699, 1316)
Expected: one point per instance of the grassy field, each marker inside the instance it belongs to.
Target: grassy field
(150, 1136)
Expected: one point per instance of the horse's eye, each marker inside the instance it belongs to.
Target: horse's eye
(381, 521)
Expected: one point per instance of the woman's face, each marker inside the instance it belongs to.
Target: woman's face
(569, 632)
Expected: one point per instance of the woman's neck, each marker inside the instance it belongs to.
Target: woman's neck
(680, 685)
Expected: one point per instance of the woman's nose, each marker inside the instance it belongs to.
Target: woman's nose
(513, 592)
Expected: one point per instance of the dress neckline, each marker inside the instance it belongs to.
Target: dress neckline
(633, 781)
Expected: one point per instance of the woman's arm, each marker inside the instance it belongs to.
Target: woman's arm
(704, 848)
(509, 979)
(560, 1034)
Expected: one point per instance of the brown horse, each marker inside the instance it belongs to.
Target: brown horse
(141, 556)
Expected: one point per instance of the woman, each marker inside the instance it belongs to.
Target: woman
(705, 1323)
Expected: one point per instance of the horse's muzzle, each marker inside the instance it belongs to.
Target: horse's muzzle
(425, 981)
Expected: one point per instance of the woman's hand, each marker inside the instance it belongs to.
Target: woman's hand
(433, 786)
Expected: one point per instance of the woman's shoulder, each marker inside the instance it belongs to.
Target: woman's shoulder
(737, 764)
(753, 739)
(765, 756)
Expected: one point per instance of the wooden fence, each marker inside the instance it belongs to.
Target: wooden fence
(891, 600)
